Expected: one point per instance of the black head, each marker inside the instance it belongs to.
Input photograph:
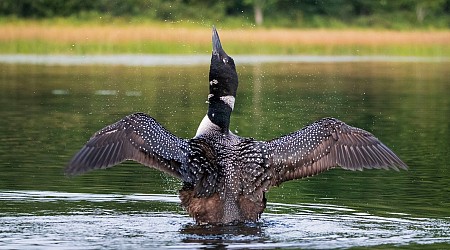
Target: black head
(222, 72)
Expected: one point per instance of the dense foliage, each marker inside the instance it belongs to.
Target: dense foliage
(300, 13)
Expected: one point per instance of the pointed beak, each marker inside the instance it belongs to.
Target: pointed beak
(217, 46)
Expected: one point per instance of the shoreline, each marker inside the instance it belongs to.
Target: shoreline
(204, 59)
(44, 38)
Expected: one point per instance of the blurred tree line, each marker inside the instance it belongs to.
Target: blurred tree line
(286, 13)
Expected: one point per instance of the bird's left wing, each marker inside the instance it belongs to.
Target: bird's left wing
(136, 137)
(325, 144)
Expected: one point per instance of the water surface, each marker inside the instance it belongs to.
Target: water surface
(48, 112)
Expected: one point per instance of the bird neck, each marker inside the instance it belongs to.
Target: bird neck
(219, 111)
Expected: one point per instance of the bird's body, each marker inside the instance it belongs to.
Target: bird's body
(225, 176)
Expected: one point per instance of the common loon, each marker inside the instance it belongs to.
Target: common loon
(225, 176)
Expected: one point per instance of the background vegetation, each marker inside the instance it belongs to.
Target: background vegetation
(398, 14)
(323, 27)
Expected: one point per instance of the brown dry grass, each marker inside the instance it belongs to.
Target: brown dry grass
(121, 33)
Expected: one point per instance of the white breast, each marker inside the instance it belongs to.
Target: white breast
(206, 126)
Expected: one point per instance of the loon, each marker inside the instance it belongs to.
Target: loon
(225, 176)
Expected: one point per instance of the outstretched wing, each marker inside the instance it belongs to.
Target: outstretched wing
(136, 137)
(325, 144)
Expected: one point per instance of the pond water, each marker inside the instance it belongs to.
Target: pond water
(49, 111)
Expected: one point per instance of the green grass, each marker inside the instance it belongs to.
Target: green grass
(155, 47)
(46, 47)
(17, 38)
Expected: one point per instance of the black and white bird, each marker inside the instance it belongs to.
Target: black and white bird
(225, 176)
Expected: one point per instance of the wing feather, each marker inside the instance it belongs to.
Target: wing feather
(136, 137)
(325, 144)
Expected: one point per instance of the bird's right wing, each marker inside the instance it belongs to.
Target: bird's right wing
(136, 137)
(325, 144)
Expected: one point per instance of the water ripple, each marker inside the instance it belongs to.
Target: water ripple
(316, 226)
(48, 196)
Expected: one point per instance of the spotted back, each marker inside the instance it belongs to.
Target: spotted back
(202, 172)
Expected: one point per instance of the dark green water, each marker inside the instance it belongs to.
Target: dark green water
(49, 112)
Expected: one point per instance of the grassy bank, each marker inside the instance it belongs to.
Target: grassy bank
(32, 37)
